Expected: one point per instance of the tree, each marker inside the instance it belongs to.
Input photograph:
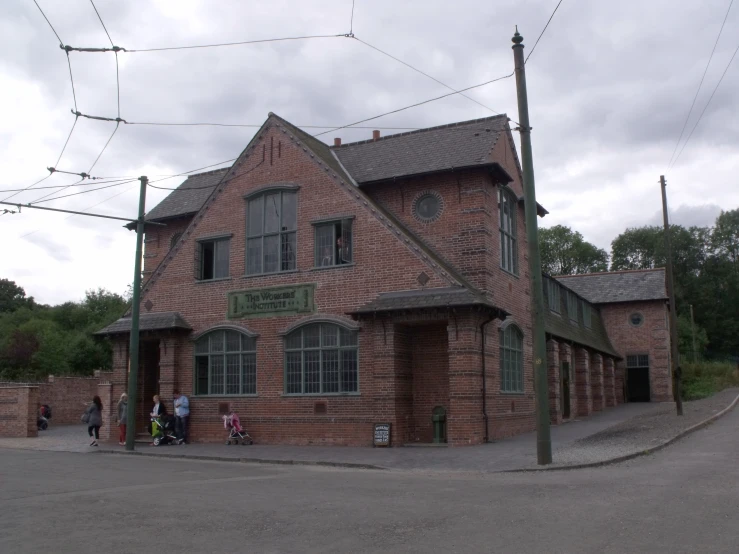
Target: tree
(566, 252)
(12, 296)
(725, 236)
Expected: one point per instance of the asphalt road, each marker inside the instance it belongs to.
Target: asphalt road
(684, 499)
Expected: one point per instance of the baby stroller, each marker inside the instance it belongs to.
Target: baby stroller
(42, 422)
(162, 430)
(236, 432)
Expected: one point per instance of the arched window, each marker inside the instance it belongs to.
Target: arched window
(511, 359)
(226, 363)
(321, 358)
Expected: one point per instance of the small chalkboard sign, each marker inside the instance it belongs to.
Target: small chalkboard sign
(382, 434)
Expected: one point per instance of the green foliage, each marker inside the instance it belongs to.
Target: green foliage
(36, 341)
(704, 379)
(685, 338)
(706, 272)
(13, 297)
(566, 252)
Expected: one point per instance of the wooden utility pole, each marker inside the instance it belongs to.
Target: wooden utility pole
(692, 331)
(541, 386)
(674, 353)
(135, 301)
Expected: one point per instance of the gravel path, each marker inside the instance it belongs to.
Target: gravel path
(641, 432)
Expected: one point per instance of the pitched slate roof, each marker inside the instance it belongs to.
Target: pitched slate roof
(189, 197)
(147, 322)
(447, 297)
(457, 145)
(618, 286)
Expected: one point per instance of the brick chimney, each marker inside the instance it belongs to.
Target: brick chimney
(337, 141)
(375, 135)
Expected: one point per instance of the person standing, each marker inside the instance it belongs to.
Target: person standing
(182, 415)
(122, 418)
(94, 419)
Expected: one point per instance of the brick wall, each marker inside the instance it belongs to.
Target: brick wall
(554, 381)
(596, 382)
(158, 241)
(430, 377)
(384, 261)
(19, 411)
(651, 337)
(582, 382)
(68, 397)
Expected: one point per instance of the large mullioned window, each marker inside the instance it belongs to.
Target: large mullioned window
(225, 364)
(321, 358)
(271, 228)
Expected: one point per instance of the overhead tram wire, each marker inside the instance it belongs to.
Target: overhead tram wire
(74, 97)
(423, 73)
(543, 31)
(88, 191)
(117, 76)
(416, 104)
(705, 71)
(218, 45)
(88, 171)
(78, 184)
(687, 140)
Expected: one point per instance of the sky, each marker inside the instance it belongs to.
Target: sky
(610, 85)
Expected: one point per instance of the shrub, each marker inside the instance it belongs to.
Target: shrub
(702, 379)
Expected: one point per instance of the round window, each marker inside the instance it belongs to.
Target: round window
(428, 207)
(636, 319)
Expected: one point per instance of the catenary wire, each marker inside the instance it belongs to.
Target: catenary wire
(692, 105)
(85, 209)
(351, 22)
(88, 191)
(342, 35)
(417, 104)
(706, 106)
(543, 31)
(423, 73)
(61, 43)
(78, 184)
(16, 192)
(117, 73)
(88, 171)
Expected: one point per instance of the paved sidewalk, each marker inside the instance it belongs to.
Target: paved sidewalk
(619, 431)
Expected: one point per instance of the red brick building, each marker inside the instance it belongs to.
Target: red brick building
(321, 290)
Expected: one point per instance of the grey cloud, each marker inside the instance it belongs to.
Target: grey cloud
(53, 248)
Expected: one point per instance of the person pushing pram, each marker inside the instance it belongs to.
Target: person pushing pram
(236, 432)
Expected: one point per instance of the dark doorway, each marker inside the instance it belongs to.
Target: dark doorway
(565, 378)
(637, 378)
(148, 383)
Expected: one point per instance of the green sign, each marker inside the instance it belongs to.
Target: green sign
(274, 301)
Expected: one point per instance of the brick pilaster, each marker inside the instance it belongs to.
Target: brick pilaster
(609, 383)
(620, 372)
(582, 382)
(565, 357)
(596, 382)
(554, 382)
(465, 423)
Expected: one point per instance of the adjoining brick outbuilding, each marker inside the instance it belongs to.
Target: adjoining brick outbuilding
(322, 290)
(634, 308)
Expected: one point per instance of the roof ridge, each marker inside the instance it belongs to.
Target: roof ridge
(611, 272)
(418, 131)
(208, 172)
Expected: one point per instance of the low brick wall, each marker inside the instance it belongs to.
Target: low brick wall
(18, 411)
(68, 397)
